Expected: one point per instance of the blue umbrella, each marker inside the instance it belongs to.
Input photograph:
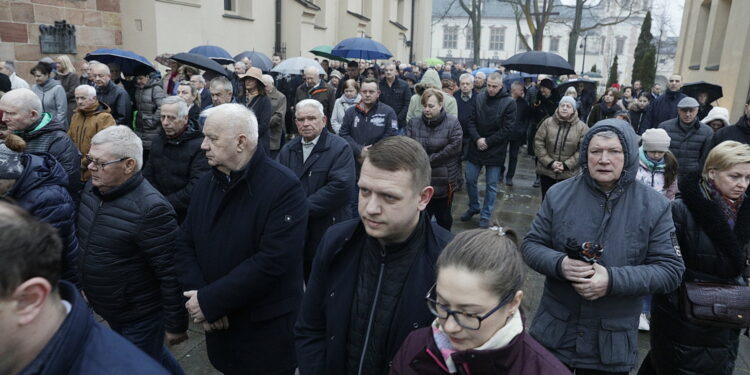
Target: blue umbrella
(486, 71)
(510, 78)
(259, 60)
(215, 53)
(128, 61)
(361, 48)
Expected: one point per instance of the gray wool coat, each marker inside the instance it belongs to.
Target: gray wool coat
(54, 100)
(634, 224)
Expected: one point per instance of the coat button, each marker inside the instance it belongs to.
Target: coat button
(333, 294)
(415, 325)
(332, 337)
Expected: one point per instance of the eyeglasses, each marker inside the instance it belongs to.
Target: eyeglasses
(463, 319)
(88, 160)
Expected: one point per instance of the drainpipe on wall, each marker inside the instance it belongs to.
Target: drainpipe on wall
(411, 31)
(277, 44)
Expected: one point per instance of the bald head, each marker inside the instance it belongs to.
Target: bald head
(312, 77)
(675, 82)
(21, 108)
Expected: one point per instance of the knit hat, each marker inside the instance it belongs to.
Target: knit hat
(337, 74)
(446, 75)
(717, 113)
(688, 102)
(655, 140)
(547, 83)
(569, 100)
(11, 166)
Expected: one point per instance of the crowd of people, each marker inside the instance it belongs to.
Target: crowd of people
(304, 221)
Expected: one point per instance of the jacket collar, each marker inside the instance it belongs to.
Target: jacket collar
(126, 187)
(246, 173)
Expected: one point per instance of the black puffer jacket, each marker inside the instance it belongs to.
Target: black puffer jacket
(48, 135)
(118, 101)
(127, 239)
(174, 166)
(493, 119)
(441, 139)
(41, 190)
(739, 132)
(712, 252)
(690, 145)
(148, 103)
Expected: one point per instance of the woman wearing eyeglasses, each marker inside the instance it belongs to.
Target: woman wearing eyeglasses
(478, 327)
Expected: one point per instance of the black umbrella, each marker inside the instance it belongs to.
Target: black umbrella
(588, 85)
(694, 88)
(201, 62)
(538, 62)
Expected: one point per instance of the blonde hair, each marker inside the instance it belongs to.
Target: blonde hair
(725, 156)
(431, 92)
(65, 60)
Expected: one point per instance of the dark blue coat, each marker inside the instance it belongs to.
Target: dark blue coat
(662, 109)
(81, 346)
(322, 328)
(328, 177)
(361, 128)
(396, 96)
(465, 110)
(241, 248)
(41, 190)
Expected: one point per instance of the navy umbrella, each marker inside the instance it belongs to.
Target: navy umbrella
(513, 77)
(128, 61)
(215, 53)
(538, 62)
(259, 60)
(201, 62)
(361, 48)
(712, 90)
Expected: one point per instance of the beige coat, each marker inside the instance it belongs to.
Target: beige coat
(558, 140)
(84, 124)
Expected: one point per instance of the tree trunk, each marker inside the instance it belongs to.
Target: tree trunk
(574, 34)
(476, 29)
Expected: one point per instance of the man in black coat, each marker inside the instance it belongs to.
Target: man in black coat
(127, 232)
(239, 252)
(395, 92)
(22, 113)
(176, 161)
(690, 138)
(489, 128)
(325, 165)
(47, 327)
(370, 275)
(316, 88)
(113, 95)
(740, 132)
(664, 107)
(517, 136)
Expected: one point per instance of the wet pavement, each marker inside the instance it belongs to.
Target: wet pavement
(515, 208)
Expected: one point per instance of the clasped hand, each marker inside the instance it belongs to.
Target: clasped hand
(194, 309)
(591, 281)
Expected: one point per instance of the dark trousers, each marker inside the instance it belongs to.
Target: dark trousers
(546, 183)
(440, 208)
(584, 371)
(511, 147)
(148, 335)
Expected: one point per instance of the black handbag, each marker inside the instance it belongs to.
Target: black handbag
(717, 305)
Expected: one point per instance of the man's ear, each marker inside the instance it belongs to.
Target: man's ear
(130, 165)
(29, 299)
(424, 197)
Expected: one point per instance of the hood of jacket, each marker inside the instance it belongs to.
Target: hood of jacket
(46, 86)
(190, 132)
(96, 109)
(45, 124)
(629, 141)
(431, 78)
(151, 83)
(38, 170)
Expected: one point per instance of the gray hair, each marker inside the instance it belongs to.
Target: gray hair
(481, 74)
(268, 80)
(237, 118)
(24, 99)
(90, 91)
(608, 134)
(517, 84)
(10, 65)
(310, 103)
(200, 78)
(122, 142)
(495, 76)
(182, 107)
(240, 64)
(222, 83)
(95, 64)
(466, 76)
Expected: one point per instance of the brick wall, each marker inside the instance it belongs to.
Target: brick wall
(98, 24)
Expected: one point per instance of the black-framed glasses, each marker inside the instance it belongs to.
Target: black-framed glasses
(88, 160)
(463, 319)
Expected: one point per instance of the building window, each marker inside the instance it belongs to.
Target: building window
(497, 39)
(554, 44)
(450, 37)
(469, 38)
(620, 46)
(242, 8)
(355, 6)
(401, 12)
(229, 6)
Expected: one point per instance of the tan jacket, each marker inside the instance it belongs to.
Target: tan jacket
(84, 124)
(558, 140)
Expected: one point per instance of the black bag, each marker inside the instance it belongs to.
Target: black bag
(718, 305)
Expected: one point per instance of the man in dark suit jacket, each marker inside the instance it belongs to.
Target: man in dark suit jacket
(200, 83)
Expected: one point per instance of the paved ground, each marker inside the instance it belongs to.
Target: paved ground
(515, 208)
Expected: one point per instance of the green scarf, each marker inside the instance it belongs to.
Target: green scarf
(653, 166)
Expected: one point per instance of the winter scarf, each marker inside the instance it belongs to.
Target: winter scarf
(653, 166)
(728, 207)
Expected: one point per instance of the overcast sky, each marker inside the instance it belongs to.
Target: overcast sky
(673, 9)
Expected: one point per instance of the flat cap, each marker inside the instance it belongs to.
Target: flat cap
(688, 102)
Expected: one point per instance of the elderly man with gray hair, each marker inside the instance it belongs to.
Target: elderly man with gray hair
(22, 113)
(324, 163)
(89, 117)
(9, 69)
(318, 89)
(127, 232)
(176, 162)
(239, 253)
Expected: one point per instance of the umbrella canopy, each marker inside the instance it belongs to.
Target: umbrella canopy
(588, 85)
(361, 48)
(325, 51)
(201, 62)
(486, 71)
(432, 61)
(510, 78)
(128, 61)
(539, 62)
(694, 88)
(296, 65)
(593, 74)
(260, 60)
(215, 53)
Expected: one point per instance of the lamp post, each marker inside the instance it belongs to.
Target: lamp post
(583, 63)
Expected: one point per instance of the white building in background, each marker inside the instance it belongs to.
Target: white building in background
(452, 38)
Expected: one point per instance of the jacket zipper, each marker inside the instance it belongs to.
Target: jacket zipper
(372, 312)
(88, 242)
